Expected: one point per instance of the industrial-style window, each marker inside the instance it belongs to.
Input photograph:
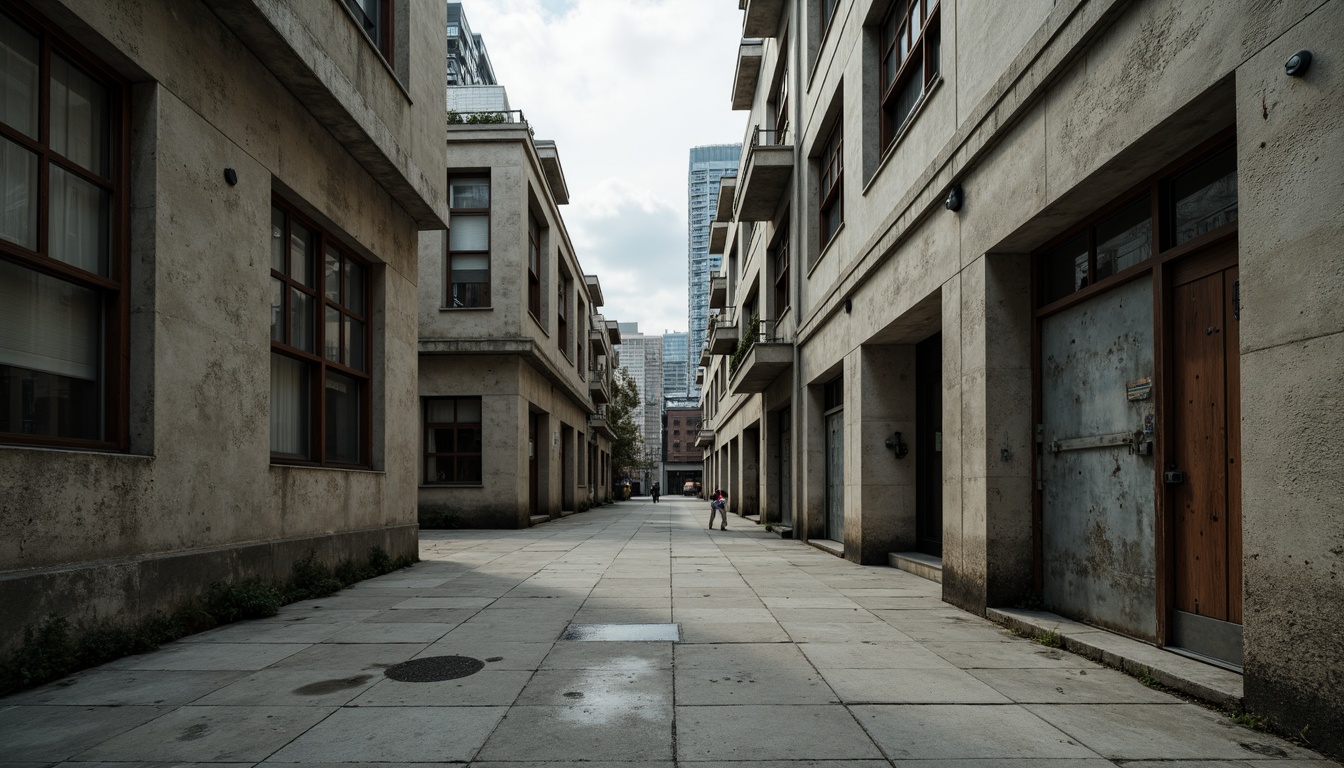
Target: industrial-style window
(453, 441)
(781, 267)
(320, 345)
(832, 203)
(63, 234)
(534, 266)
(375, 18)
(911, 43)
(562, 311)
(469, 242)
(1195, 201)
(582, 316)
(827, 13)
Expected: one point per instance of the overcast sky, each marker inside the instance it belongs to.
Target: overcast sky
(625, 88)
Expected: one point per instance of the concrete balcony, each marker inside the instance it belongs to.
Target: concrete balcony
(718, 236)
(761, 17)
(765, 183)
(598, 424)
(597, 387)
(555, 175)
(724, 336)
(718, 292)
(705, 437)
(597, 329)
(699, 376)
(759, 368)
(613, 332)
(723, 210)
(594, 291)
(704, 357)
(750, 54)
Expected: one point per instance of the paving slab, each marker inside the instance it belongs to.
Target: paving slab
(293, 687)
(902, 655)
(647, 688)
(615, 656)
(1070, 686)
(489, 687)
(958, 731)
(210, 656)
(391, 632)
(589, 730)
(53, 733)
(350, 658)
(394, 735)
(104, 687)
(208, 734)
(910, 686)
(751, 732)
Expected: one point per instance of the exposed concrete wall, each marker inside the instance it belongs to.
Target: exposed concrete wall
(882, 487)
(199, 487)
(1290, 155)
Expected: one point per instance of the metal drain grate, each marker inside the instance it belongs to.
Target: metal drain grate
(623, 633)
(435, 669)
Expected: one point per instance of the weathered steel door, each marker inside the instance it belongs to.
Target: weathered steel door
(929, 446)
(785, 468)
(1096, 474)
(1204, 472)
(835, 475)
(532, 497)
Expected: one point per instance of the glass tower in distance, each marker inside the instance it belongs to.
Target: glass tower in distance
(708, 164)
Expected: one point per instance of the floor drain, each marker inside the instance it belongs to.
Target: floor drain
(435, 669)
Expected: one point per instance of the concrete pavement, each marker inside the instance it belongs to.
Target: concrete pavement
(788, 657)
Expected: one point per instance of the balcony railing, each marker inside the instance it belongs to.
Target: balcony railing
(488, 117)
(769, 137)
(761, 355)
(769, 167)
(723, 333)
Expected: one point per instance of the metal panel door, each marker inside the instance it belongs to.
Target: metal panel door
(929, 446)
(1206, 443)
(785, 468)
(533, 499)
(1098, 503)
(835, 476)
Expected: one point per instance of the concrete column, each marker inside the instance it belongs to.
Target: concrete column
(751, 470)
(993, 558)
(810, 482)
(1290, 184)
(880, 493)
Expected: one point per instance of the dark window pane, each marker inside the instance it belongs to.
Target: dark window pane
(354, 344)
(469, 410)
(331, 272)
(49, 405)
(442, 440)
(301, 253)
(301, 320)
(278, 240)
(354, 287)
(79, 117)
(19, 57)
(79, 222)
(468, 193)
(439, 411)
(440, 469)
(469, 233)
(469, 440)
(1205, 197)
(469, 469)
(331, 341)
(18, 194)
(1065, 269)
(343, 418)
(290, 398)
(277, 310)
(911, 90)
(1125, 239)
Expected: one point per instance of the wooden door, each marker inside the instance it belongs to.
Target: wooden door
(835, 476)
(928, 448)
(785, 468)
(1204, 470)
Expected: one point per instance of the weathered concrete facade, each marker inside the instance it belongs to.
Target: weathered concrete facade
(1047, 218)
(544, 443)
(300, 104)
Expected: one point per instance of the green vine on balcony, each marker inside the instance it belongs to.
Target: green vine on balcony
(745, 344)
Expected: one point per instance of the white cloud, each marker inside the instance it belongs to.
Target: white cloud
(625, 88)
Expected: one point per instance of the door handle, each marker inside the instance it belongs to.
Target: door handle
(1173, 477)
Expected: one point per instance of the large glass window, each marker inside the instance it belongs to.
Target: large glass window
(63, 304)
(469, 242)
(562, 312)
(375, 18)
(781, 269)
(832, 206)
(910, 46)
(1205, 197)
(534, 266)
(453, 441)
(320, 345)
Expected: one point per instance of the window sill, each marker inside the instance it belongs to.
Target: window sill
(826, 249)
(75, 450)
(900, 134)
(466, 309)
(365, 470)
(452, 485)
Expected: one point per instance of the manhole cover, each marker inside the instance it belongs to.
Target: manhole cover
(623, 632)
(435, 669)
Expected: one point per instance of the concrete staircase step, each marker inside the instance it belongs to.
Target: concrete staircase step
(918, 563)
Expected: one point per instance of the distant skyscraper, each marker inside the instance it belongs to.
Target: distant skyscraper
(468, 61)
(676, 369)
(642, 356)
(708, 164)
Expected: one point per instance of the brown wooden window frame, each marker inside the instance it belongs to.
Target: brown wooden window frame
(910, 38)
(830, 185)
(483, 296)
(458, 427)
(580, 320)
(534, 266)
(318, 365)
(112, 289)
(1161, 222)
(780, 259)
(382, 34)
(562, 323)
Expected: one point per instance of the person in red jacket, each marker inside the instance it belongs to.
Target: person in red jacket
(718, 503)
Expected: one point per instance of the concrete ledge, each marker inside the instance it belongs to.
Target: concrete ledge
(918, 563)
(1205, 682)
(754, 518)
(538, 519)
(836, 548)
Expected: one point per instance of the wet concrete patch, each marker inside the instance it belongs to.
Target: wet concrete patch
(324, 687)
(667, 633)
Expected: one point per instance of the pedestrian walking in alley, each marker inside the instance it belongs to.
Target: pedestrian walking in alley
(656, 490)
(719, 504)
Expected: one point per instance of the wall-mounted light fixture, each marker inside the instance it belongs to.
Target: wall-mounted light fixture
(1298, 64)
(897, 445)
(849, 306)
(230, 176)
(955, 197)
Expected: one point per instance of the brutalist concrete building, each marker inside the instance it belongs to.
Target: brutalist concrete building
(208, 266)
(1043, 298)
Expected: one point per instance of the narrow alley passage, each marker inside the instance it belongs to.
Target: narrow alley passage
(787, 656)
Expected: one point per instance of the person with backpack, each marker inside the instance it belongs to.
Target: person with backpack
(719, 504)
